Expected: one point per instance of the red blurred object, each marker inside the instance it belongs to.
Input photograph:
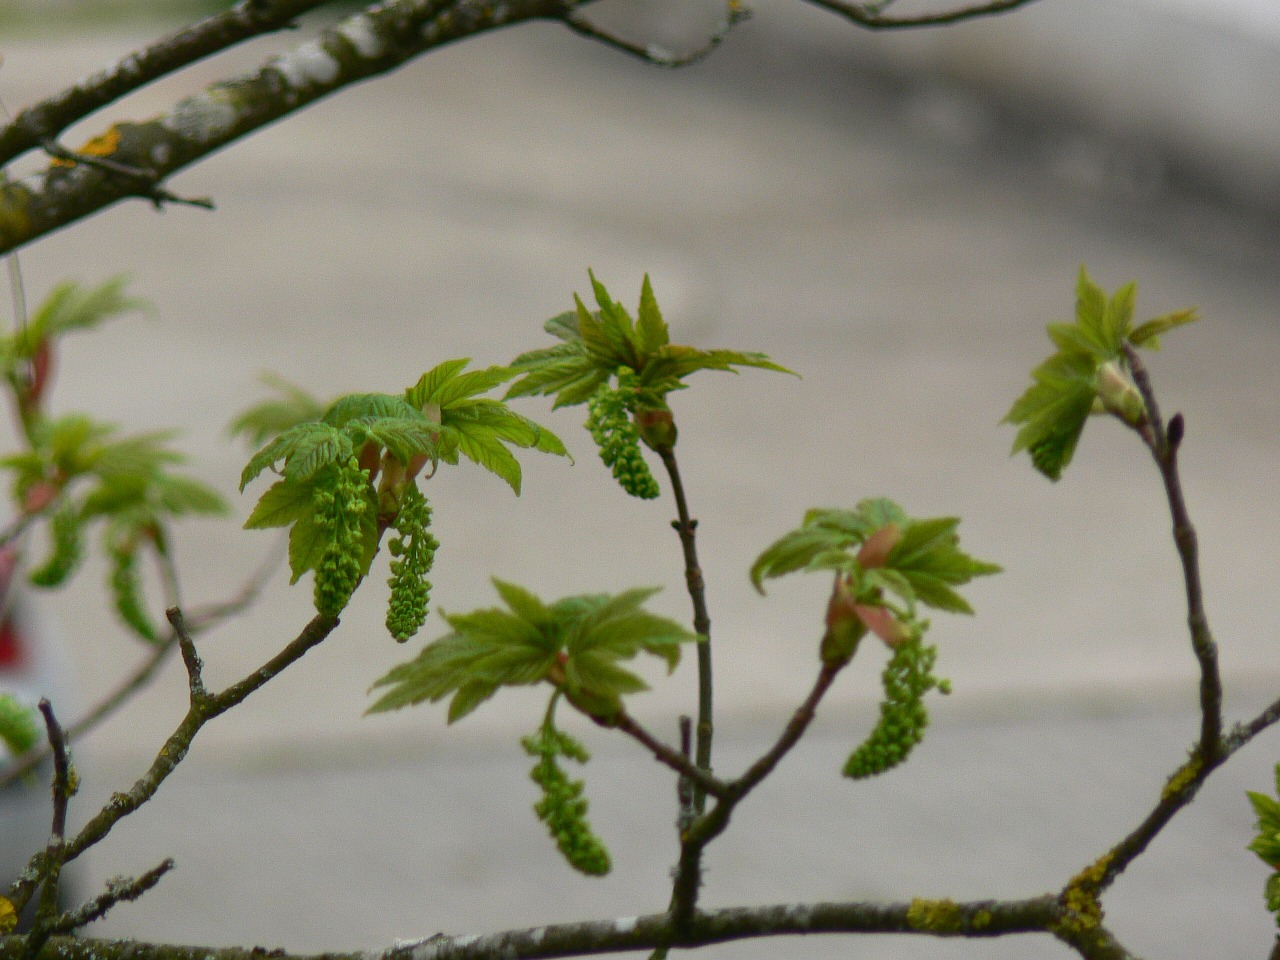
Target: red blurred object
(13, 652)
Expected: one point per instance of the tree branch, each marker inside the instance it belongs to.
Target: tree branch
(659, 56)
(200, 620)
(40, 123)
(201, 712)
(1164, 445)
(872, 16)
(362, 46)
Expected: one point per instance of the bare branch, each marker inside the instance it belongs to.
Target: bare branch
(677, 761)
(42, 122)
(200, 620)
(200, 713)
(362, 46)
(872, 16)
(735, 13)
(1164, 449)
(119, 890)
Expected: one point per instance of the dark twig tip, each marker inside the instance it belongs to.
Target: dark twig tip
(1174, 432)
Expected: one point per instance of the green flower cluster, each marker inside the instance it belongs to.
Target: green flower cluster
(563, 808)
(126, 592)
(67, 552)
(339, 511)
(609, 420)
(414, 551)
(903, 717)
(18, 727)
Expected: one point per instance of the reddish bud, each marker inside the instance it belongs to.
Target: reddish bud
(41, 369)
(882, 622)
(876, 548)
(38, 496)
(844, 628)
(657, 428)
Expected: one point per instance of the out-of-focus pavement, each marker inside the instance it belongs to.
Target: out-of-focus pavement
(899, 249)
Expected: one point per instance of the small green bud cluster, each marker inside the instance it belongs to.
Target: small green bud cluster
(609, 420)
(414, 551)
(67, 552)
(563, 808)
(903, 717)
(18, 727)
(339, 513)
(126, 592)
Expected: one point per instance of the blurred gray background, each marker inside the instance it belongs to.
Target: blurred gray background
(894, 217)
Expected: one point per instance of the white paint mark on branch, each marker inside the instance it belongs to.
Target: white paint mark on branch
(306, 66)
(205, 115)
(360, 31)
(625, 925)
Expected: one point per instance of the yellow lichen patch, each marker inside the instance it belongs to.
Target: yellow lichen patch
(103, 145)
(1083, 910)
(935, 916)
(14, 222)
(8, 915)
(1181, 778)
(982, 920)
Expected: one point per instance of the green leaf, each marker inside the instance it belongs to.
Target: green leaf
(574, 643)
(273, 417)
(70, 306)
(282, 504)
(650, 327)
(307, 544)
(1148, 334)
(368, 406)
(429, 384)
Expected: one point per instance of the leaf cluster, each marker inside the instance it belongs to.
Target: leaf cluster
(916, 560)
(595, 344)
(1267, 842)
(576, 644)
(78, 472)
(68, 308)
(1085, 374)
(390, 439)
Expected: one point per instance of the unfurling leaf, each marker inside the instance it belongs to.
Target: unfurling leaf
(595, 344)
(1088, 367)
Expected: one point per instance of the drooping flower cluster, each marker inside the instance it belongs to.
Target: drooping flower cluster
(563, 808)
(126, 592)
(339, 513)
(609, 420)
(67, 549)
(414, 552)
(903, 718)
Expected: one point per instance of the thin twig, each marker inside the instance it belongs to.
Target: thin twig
(190, 658)
(687, 528)
(200, 620)
(869, 15)
(198, 714)
(652, 53)
(708, 826)
(1165, 453)
(119, 890)
(664, 754)
(43, 121)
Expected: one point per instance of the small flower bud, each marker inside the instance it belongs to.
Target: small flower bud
(1119, 396)
(657, 428)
